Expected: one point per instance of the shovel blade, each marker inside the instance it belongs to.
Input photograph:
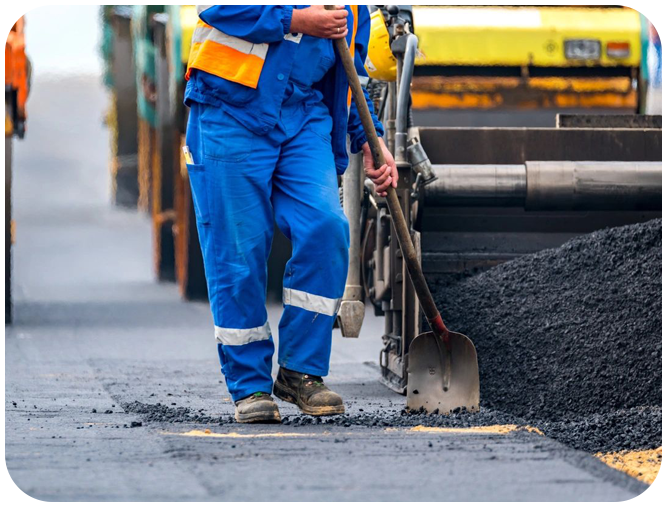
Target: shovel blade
(443, 379)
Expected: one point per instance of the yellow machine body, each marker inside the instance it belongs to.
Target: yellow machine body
(519, 57)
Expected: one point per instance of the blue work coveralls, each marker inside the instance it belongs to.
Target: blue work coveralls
(273, 153)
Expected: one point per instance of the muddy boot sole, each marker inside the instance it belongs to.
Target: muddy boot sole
(264, 417)
(284, 393)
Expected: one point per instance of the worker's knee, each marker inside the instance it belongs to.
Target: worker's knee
(327, 239)
(333, 230)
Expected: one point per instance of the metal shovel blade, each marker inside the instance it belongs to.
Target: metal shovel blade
(443, 379)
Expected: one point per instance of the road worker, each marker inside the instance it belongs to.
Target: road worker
(270, 110)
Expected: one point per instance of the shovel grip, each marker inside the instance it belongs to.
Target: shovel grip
(395, 212)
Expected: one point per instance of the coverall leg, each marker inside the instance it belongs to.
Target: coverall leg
(308, 211)
(239, 181)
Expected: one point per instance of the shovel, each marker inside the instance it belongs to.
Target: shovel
(442, 364)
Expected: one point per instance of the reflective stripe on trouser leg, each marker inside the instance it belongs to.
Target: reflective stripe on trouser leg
(311, 302)
(308, 212)
(235, 225)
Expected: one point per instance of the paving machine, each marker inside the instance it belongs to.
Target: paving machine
(477, 197)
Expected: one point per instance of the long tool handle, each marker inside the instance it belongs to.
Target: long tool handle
(395, 211)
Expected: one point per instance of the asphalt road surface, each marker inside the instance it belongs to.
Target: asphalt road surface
(93, 332)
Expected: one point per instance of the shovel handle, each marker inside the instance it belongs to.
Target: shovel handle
(395, 212)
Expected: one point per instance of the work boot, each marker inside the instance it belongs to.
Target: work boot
(257, 408)
(308, 392)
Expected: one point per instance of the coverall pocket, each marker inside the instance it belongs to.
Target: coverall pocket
(224, 138)
(197, 175)
(323, 65)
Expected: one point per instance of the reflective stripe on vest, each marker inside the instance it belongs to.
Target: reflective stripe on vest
(225, 56)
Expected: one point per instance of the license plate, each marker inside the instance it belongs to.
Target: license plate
(582, 49)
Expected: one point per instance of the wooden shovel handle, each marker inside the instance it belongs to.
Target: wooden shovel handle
(398, 220)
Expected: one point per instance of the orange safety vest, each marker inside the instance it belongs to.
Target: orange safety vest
(235, 59)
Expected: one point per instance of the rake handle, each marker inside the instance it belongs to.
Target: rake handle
(395, 212)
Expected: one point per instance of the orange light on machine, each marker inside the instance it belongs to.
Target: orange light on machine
(618, 49)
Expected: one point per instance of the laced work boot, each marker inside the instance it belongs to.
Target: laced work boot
(308, 392)
(257, 408)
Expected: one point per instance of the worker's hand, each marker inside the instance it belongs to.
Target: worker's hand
(319, 22)
(386, 175)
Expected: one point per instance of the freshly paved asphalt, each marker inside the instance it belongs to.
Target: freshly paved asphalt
(93, 330)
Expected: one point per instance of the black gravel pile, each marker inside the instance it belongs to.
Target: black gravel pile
(570, 338)
(618, 430)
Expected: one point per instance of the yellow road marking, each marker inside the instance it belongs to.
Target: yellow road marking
(643, 465)
(498, 429)
(232, 434)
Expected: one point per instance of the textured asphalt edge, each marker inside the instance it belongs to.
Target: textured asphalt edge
(589, 463)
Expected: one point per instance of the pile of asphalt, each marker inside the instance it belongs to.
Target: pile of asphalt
(570, 339)
(617, 430)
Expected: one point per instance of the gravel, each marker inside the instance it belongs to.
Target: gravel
(617, 430)
(159, 413)
(404, 418)
(570, 339)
